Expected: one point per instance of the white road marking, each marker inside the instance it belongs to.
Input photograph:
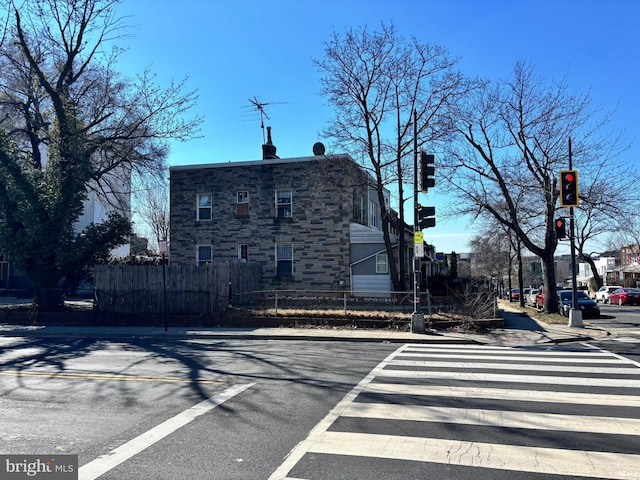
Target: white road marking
(104, 463)
(484, 455)
(498, 377)
(625, 370)
(518, 356)
(495, 418)
(506, 395)
(457, 349)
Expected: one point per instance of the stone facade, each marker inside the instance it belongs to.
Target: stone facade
(265, 211)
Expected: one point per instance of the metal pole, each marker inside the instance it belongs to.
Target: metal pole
(417, 318)
(575, 314)
(164, 291)
(416, 289)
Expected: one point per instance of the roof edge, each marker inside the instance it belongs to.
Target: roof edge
(250, 163)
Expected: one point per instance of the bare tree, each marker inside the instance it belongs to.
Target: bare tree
(152, 208)
(76, 125)
(627, 236)
(515, 141)
(376, 81)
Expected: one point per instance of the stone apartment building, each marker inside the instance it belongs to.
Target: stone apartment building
(312, 222)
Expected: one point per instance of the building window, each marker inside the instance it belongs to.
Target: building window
(284, 260)
(283, 203)
(204, 206)
(204, 255)
(243, 252)
(382, 265)
(243, 196)
(374, 214)
(359, 208)
(242, 203)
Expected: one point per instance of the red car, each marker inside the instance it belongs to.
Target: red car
(625, 296)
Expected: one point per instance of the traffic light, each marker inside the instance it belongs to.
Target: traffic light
(561, 228)
(427, 171)
(426, 217)
(569, 188)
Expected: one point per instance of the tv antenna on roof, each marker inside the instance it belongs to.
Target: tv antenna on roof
(259, 107)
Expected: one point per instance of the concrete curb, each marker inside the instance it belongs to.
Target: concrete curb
(233, 334)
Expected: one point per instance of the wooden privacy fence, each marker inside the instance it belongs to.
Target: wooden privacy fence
(181, 289)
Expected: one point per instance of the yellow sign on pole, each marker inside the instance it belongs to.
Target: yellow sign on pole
(418, 237)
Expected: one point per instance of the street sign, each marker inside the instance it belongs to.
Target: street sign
(418, 250)
(418, 237)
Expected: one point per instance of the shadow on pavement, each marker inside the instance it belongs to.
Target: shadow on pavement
(520, 321)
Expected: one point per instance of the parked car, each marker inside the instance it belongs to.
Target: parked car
(515, 294)
(625, 296)
(588, 307)
(602, 295)
(540, 296)
(530, 298)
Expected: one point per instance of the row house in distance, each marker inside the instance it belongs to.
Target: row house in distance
(312, 222)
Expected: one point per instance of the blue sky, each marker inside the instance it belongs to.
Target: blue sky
(233, 50)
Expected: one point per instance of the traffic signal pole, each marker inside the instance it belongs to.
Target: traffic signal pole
(417, 317)
(575, 314)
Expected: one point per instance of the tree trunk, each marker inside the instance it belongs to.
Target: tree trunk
(594, 270)
(520, 275)
(550, 292)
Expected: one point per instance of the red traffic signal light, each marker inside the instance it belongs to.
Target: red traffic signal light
(561, 228)
(569, 188)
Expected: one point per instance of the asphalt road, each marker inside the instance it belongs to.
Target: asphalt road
(90, 397)
(149, 408)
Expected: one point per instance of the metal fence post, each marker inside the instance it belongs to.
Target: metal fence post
(344, 296)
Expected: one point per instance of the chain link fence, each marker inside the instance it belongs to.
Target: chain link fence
(476, 304)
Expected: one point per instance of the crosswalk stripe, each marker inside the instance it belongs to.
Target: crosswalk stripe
(600, 359)
(511, 351)
(630, 370)
(494, 418)
(507, 395)
(508, 378)
(483, 455)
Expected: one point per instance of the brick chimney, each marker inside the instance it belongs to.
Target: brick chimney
(269, 149)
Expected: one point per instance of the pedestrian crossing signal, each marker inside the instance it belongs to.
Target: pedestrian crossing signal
(426, 217)
(561, 228)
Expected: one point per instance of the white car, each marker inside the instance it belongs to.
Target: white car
(530, 298)
(602, 295)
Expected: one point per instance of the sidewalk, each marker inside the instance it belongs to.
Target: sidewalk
(522, 329)
(519, 330)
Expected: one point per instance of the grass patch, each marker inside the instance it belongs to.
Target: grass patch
(379, 315)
